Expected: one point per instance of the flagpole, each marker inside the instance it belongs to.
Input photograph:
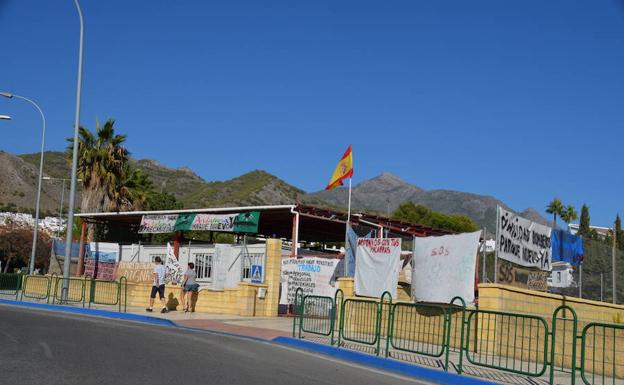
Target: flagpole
(346, 256)
(349, 209)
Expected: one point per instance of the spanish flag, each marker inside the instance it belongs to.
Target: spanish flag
(343, 170)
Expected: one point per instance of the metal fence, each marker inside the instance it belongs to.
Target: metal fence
(521, 344)
(75, 288)
(602, 355)
(65, 290)
(10, 284)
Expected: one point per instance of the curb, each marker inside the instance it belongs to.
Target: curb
(93, 312)
(386, 364)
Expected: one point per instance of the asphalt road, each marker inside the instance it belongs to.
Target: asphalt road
(41, 347)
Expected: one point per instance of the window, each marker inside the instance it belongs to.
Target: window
(203, 265)
(163, 257)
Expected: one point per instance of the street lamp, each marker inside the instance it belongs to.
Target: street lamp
(31, 263)
(5, 117)
(72, 189)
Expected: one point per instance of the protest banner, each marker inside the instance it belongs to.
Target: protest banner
(100, 270)
(377, 266)
(246, 222)
(173, 270)
(314, 275)
(152, 224)
(135, 271)
(522, 241)
(523, 277)
(444, 267)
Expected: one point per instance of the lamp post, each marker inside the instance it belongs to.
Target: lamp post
(72, 189)
(31, 263)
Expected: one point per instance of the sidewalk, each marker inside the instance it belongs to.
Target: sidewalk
(265, 328)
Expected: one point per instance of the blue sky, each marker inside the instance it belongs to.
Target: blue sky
(523, 100)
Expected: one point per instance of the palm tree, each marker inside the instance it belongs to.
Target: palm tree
(569, 214)
(555, 207)
(137, 189)
(103, 168)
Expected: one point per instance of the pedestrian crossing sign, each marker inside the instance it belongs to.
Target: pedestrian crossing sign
(256, 273)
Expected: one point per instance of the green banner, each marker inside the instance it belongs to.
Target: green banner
(246, 222)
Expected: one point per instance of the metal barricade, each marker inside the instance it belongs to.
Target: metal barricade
(112, 293)
(317, 316)
(360, 321)
(76, 288)
(563, 343)
(10, 284)
(418, 328)
(602, 354)
(36, 287)
(511, 342)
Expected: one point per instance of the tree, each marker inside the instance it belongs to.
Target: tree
(555, 207)
(569, 214)
(138, 189)
(15, 245)
(162, 201)
(420, 214)
(584, 229)
(619, 235)
(102, 162)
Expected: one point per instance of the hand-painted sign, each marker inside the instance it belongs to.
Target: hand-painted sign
(444, 267)
(314, 275)
(518, 276)
(246, 222)
(152, 224)
(522, 241)
(100, 270)
(173, 270)
(377, 266)
(135, 271)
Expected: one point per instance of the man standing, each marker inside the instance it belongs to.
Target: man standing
(158, 285)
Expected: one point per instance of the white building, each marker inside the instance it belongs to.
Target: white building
(601, 231)
(561, 275)
(490, 246)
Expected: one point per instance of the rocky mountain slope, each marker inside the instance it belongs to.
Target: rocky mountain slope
(382, 194)
(386, 192)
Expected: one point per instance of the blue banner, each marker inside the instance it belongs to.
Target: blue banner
(352, 238)
(58, 247)
(567, 247)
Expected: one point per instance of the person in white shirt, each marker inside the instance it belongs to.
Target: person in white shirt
(158, 285)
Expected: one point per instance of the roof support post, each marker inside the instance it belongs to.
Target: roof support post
(176, 244)
(295, 232)
(80, 267)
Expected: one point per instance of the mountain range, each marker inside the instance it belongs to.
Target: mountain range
(382, 194)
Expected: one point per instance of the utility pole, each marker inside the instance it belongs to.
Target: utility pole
(74, 177)
(613, 266)
(580, 295)
(601, 281)
(484, 256)
(497, 246)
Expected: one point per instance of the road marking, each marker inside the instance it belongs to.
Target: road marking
(46, 349)
(347, 363)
